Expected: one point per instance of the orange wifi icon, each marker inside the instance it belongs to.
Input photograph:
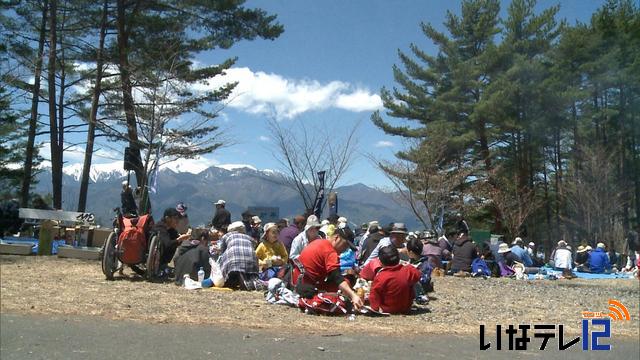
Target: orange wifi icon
(618, 311)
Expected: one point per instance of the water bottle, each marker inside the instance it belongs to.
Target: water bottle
(201, 275)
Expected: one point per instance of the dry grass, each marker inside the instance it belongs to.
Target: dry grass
(48, 285)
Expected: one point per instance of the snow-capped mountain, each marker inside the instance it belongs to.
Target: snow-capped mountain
(241, 186)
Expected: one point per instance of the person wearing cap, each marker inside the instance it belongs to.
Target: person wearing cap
(321, 265)
(256, 226)
(397, 237)
(599, 260)
(310, 233)
(246, 220)
(183, 223)
(289, 233)
(222, 217)
(562, 257)
(238, 261)
(392, 290)
(168, 237)
(507, 260)
(271, 253)
(463, 254)
(128, 203)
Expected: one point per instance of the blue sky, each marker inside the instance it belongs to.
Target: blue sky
(327, 69)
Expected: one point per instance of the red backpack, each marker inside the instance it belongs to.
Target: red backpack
(132, 242)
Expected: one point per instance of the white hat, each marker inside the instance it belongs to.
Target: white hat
(220, 202)
(125, 183)
(256, 219)
(588, 248)
(503, 248)
(532, 243)
(266, 228)
(312, 221)
(562, 243)
(324, 222)
(237, 226)
(601, 245)
(342, 219)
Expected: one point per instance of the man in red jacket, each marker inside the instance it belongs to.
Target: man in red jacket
(322, 265)
(392, 290)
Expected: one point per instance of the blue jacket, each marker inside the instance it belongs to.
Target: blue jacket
(522, 254)
(599, 261)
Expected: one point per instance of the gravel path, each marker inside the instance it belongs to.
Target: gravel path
(49, 285)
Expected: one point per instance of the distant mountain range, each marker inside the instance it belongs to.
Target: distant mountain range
(240, 186)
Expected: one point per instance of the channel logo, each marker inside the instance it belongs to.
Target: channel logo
(618, 311)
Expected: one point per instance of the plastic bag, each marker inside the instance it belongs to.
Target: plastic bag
(216, 274)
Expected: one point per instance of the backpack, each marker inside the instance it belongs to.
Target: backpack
(479, 266)
(325, 303)
(132, 242)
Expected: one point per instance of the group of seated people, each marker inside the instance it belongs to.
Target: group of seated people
(328, 257)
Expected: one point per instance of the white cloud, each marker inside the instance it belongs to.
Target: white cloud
(264, 138)
(384, 143)
(273, 94)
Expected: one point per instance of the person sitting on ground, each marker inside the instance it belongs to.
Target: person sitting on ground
(562, 259)
(581, 260)
(507, 260)
(631, 250)
(168, 238)
(599, 260)
(256, 225)
(222, 217)
(309, 234)
(289, 233)
(392, 290)
(431, 250)
(464, 251)
(517, 248)
(397, 237)
(248, 228)
(445, 245)
(321, 266)
(192, 255)
(421, 262)
(376, 233)
(271, 253)
(183, 223)
(238, 261)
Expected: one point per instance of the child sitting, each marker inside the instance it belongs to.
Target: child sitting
(422, 263)
(392, 289)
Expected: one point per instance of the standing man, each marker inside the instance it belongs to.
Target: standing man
(222, 218)
(127, 200)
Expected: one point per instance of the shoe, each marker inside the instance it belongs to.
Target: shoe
(422, 300)
(248, 284)
(260, 285)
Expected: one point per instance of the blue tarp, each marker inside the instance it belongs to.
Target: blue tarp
(585, 275)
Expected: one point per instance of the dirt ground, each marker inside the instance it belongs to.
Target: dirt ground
(49, 285)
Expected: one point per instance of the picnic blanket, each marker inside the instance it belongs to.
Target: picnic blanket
(585, 275)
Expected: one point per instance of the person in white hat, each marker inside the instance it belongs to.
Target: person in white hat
(562, 257)
(222, 217)
(508, 256)
(397, 237)
(238, 261)
(309, 234)
(271, 252)
(599, 260)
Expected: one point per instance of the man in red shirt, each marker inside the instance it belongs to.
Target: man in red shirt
(322, 265)
(392, 289)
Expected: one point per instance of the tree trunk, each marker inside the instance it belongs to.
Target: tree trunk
(56, 163)
(127, 96)
(88, 153)
(33, 121)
